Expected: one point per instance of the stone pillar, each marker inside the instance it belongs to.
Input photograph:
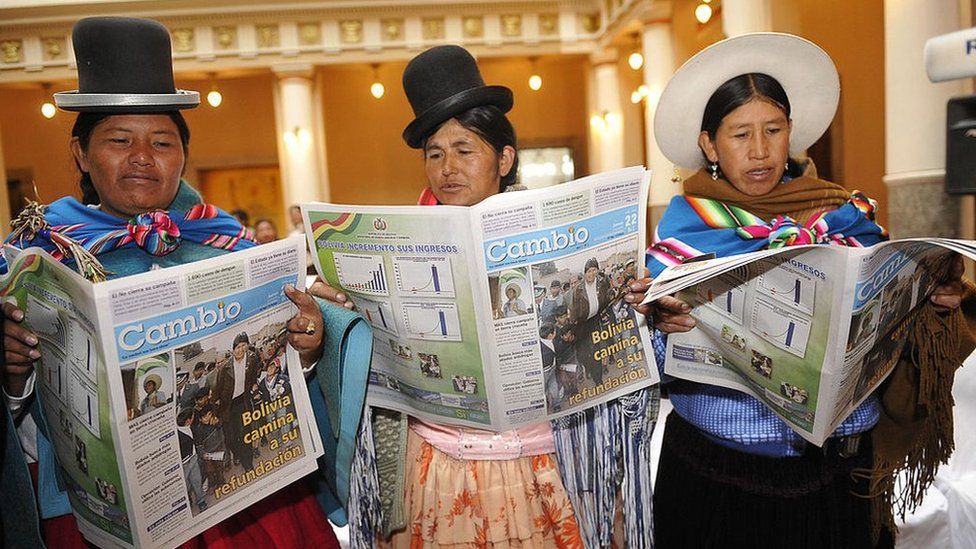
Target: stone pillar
(915, 119)
(301, 140)
(606, 119)
(742, 16)
(658, 53)
(4, 196)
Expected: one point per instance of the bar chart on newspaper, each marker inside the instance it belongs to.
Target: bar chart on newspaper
(781, 327)
(362, 273)
(789, 286)
(436, 321)
(424, 276)
(379, 314)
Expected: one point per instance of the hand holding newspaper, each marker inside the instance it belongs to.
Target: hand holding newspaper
(170, 397)
(810, 331)
(500, 314)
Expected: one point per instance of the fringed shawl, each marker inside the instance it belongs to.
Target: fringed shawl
(714, 217)
(914, 434)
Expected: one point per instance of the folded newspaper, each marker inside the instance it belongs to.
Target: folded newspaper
(500, 314)
(171, 396)
(810, 331)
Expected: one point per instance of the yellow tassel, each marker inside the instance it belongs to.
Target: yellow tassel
(30, 222)
(88, 265)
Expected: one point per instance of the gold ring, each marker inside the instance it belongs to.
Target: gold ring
(310, 329)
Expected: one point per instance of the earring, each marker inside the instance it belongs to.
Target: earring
(714, 169)
(675, 176)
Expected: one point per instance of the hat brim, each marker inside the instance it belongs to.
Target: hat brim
(416, 131)
(154, 378)
(514, 286)
(123, 103)
(805, 71)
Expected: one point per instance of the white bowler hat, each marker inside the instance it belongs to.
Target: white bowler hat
(805, 71)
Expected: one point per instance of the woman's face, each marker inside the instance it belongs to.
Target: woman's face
(265, 232)
(751, 146)
(590, 275)
(135, 162)
(462, 169)
(510, 293)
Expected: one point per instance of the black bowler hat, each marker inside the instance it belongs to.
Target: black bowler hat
(441, 83)
(125, 65)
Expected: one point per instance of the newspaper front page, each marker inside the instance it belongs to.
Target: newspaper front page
(171, 397)
(500, 314)
(810, 331)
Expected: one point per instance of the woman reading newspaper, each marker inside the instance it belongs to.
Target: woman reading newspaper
(130, 143)
(518, 488)
(739, 108)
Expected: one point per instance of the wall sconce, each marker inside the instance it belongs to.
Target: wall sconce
(597, 122)
(535, 81)
(703, 13)
(636, 59)
(297, 139)
(48, 110)
(639, 94)
(377, 89)
(605, 121)
(214, 97)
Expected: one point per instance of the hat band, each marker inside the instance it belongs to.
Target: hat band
(74, 99)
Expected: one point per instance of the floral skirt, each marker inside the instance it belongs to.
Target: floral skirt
(517, 503)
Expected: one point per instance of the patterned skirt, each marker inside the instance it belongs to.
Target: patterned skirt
(517, 503)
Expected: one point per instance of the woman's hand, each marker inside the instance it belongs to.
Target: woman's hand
(20, 345)
(948, 295)
(321, 289)
(305, 328)
(669, 314)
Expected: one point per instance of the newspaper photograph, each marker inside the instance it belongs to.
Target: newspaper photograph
(811, 331)
(500, 314)
(178, 402)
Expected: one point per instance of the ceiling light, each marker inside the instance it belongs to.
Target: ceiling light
(377, 89)
(214, 98)
(636, 60)
(535, 81)
(48, 110)
(703, 13)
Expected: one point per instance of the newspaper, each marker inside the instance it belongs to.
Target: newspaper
(123, 361)
(810, 331)
(469, 328)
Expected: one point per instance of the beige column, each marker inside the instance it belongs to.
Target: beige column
(915, 118)
(4, 196)
(658, 53)
(742, 16)
(301, 139)
(606, 136)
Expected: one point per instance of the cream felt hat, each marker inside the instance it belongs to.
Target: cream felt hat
(805, 71)
(154, 378)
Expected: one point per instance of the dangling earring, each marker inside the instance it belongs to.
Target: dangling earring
(714, 170)
(675, 176)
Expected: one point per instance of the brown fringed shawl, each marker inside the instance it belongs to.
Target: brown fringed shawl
(915, 433)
